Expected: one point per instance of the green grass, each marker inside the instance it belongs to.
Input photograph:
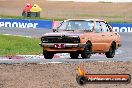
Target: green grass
(104, 2)
(14, 45)
(119, 19)
(114, 18)
(34, 18)
(91, 15)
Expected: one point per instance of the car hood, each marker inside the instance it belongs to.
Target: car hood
(63, 34)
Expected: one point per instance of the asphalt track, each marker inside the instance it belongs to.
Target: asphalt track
(124, 53)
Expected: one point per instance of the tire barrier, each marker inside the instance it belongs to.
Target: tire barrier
(31, 11)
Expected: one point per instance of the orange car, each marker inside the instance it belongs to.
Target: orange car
(81, 36)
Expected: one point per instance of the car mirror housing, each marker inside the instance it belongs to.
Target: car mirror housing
(54, 30)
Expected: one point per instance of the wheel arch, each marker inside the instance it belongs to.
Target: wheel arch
(89, 42)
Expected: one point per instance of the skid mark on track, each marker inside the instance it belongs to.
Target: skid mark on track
(56, 56)
(60, 58)
(11, 58)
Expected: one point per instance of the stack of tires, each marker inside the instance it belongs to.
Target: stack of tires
(26, 11)
(31, 11)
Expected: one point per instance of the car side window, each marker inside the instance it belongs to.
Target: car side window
(105, 27)
(98, 28)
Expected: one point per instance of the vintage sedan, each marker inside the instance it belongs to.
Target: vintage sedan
(81, 36)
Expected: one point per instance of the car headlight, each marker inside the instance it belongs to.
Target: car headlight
(76, 39)
(44, 39)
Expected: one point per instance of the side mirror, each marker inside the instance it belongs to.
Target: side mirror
(111, 30)
(54, 30)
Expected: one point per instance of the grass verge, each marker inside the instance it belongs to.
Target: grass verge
(118, 19)
(14, 45)
(33, 18)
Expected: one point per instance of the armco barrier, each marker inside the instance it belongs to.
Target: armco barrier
(25, 23)
(122, 27)
(47, 24)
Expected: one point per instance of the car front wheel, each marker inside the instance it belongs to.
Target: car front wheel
(48, 55)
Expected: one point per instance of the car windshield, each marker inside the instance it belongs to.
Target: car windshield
(77, 25)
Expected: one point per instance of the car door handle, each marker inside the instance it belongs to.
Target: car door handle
(103, 35)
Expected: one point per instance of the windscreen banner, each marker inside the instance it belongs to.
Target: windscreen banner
(117, 27)
(25, 23)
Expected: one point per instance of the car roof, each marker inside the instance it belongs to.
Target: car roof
(84, 20)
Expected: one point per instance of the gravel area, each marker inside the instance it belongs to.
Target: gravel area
(64, 75)
(107, 11)
(59, 75)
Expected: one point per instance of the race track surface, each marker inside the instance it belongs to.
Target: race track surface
(122, 54)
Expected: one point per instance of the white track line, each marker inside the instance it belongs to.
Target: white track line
(18, 35)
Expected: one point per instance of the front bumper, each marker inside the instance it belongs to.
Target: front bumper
(67, 45)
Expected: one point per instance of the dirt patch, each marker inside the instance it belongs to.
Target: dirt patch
(59, 75)
(108, 11)
(63, 75)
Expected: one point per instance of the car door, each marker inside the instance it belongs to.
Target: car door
(97, 38)
(107, 35)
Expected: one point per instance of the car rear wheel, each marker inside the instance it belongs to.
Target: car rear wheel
(74, 55)
(48, 55)
(111, 52)
(86, 53)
